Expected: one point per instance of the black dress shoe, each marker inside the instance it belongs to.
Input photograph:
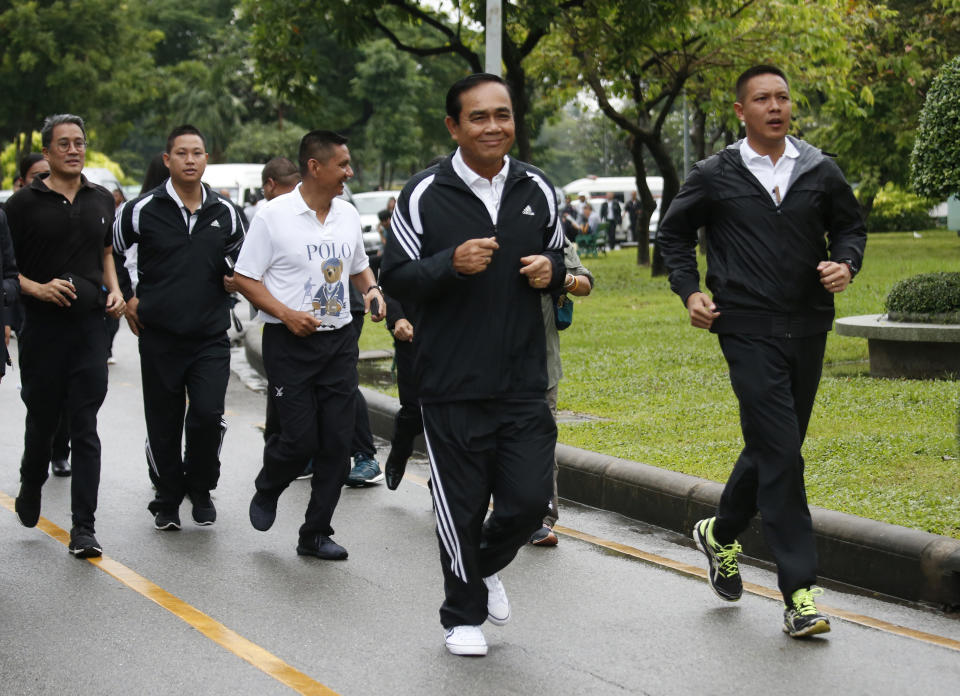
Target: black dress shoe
(263, 511)
(322, 547)
(27, 505)
(394, 468)
(60, 467)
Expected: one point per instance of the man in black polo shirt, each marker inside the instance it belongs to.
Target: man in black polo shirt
(60, 226)
(184, 233)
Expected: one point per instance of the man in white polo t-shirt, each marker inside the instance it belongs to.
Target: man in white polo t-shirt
(302, 249)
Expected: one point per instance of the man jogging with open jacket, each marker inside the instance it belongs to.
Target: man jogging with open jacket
(784, 233)
(185, 233)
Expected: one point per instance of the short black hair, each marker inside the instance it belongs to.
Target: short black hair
(50, 122)
(28, 161)
(281, 170)
(185, 129)
(467, 83)
(750, 73)
(317, 144)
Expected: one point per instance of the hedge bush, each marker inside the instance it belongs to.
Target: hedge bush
(896, 210)
(936, 152)
(930, 298)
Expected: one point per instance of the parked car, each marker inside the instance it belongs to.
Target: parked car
(596, 188)
(369, 204)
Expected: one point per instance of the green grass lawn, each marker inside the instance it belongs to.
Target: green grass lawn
(878, 448)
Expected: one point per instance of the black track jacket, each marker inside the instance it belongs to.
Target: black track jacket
(762, 257)
(478, 336)
(180, 285)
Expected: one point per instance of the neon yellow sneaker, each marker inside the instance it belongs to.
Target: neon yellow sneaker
(724, 572)
(802, 619)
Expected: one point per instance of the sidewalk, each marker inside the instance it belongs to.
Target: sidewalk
(876, 556)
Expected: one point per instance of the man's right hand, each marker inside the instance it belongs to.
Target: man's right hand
(474, 255)
(300, 323)
(403, 330)
(702, 310)
(133, 319)
(58, 291)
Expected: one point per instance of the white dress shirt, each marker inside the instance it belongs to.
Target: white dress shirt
(487, 190)
(775, 178)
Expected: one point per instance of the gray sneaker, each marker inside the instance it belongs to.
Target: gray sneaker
(365, 472)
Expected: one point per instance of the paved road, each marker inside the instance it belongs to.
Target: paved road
(614, 609)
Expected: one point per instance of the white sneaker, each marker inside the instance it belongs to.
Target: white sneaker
(466, 640)
(498, 606)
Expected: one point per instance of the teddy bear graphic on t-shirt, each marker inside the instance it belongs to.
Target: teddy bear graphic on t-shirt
(329, 300)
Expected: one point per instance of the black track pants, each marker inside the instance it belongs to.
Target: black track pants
(409, 421)
(478, 449)
(311, 384)
(63, 364)
(775, 380)
(174, 369)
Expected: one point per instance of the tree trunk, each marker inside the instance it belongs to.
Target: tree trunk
(517, 79)
(647, 202)
(671, 185)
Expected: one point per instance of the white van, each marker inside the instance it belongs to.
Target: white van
(241, 181)
(596, 188)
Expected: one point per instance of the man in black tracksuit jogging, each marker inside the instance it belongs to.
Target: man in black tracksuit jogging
(184, 232)
(784, 233)
(475, 241)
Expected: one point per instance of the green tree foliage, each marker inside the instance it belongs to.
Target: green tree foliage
(903, 44)
(638, 65)
(259, 142)
(935, 165)
(88, 57)
(895, 210)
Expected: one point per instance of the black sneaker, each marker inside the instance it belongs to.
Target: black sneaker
(27, 505)
(322, 547)
(802, 619)
(204, 512)
(83, 544)
(263, 511)
(166, 520)
(365, 471)
(723, 573)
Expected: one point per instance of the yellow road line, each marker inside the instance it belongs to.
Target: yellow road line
(750, 587)
(214, 630)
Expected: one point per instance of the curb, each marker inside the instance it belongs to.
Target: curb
(880, 557)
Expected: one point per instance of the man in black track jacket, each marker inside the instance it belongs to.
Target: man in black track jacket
(784, 233)
(184, 232)
(475, 241)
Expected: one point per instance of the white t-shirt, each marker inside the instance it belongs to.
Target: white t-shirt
(304, 264)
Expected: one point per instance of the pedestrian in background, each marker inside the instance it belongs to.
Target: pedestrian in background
(784, 235)
(9, 289)
(187, 238)
(476, 240)
(61, 229)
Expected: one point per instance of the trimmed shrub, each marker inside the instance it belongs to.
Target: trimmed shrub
(896, 210)
(929, 298)
(936, 152)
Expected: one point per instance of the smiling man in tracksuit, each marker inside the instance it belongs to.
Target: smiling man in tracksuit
(184, 233)
(784, 233)
(475, 242)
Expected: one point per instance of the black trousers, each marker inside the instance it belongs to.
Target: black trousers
(362, 442)
(362, 434)
(775, 380)
(311, 384)
(479, 449)
(63, 361)
(175, 369)
(409, 420)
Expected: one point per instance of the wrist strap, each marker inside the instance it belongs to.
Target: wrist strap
(373, 287)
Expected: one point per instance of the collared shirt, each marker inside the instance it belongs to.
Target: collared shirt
(304, 263)
(775, 178)
(487, 190)
(188, 217)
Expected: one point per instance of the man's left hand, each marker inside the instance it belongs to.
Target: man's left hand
(229, 284)
(538, 270)
(835, 277)
(115, 304)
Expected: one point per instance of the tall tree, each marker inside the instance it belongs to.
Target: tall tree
(638, 69)
(85, 57)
